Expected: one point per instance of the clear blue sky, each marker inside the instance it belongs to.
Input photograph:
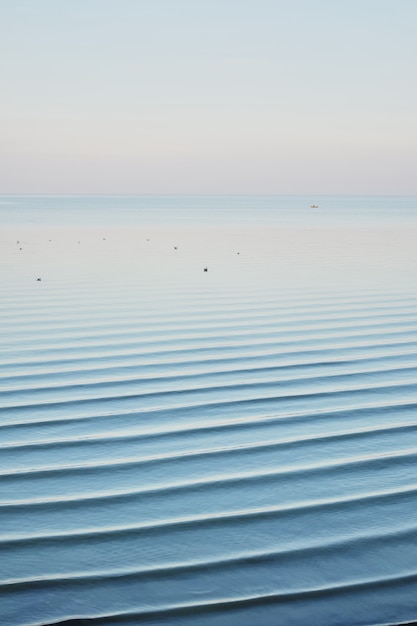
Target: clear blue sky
(208, 96)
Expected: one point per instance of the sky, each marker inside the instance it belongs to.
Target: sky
(208, 96)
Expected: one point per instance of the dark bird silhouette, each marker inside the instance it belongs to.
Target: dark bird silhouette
(205, 269)
(39, 279)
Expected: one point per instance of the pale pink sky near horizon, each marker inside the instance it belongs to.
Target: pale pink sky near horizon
(227, 96)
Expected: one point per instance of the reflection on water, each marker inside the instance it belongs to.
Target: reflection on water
(234, 446)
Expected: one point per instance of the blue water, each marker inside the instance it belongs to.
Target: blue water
(235, 210)
(230, 447)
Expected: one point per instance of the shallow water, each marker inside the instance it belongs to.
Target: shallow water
(233, 446)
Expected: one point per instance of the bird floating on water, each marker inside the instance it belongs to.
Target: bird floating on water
(205, 269)
(314, 206)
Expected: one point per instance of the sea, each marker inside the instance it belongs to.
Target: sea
(208, 410)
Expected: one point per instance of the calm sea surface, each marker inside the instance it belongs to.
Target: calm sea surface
(208, 410)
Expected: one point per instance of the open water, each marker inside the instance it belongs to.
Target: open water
(233, 446)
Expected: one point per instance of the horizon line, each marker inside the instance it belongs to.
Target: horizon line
(131, 195)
